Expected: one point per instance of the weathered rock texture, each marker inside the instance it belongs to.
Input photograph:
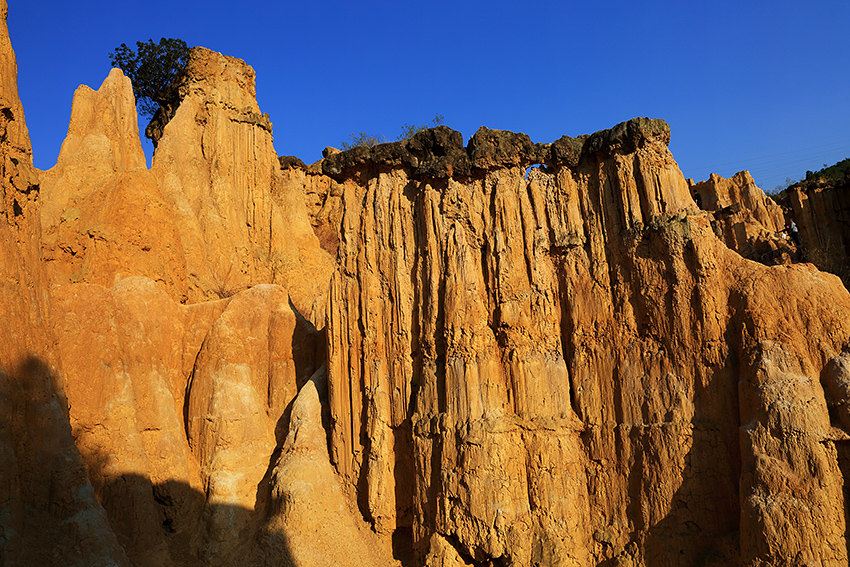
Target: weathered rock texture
(747, 220)
(808, 222)
(311, 506)
(48, 512)
(133, 429)
(422, 353)
(196, 394)
(103, 212)
(821, 213)
(568, 367)
(209, 219)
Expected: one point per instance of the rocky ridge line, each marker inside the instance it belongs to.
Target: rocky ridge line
(439, 153)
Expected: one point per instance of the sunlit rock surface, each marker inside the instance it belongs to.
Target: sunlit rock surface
(422, 353)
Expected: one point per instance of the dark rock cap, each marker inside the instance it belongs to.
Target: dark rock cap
(291, 162)
(626, 137)
(433, 153)
(566, 151)
(438, 153)
(492, 149)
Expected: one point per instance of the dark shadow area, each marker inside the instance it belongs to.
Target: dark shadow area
(404, 475)
(818, 213)
(835, 383)
(180, 528)
(701, 525)
(843, 450)
(49, 513)
(59, 509)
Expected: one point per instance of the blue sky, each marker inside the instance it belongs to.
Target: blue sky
(759, 85)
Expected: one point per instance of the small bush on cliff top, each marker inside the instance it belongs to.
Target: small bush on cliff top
(364, 139)
(153, 67)
(410, 130)
(782, 186)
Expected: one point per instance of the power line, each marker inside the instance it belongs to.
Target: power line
(809, 152)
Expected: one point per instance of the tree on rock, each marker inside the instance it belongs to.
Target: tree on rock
(153, 68)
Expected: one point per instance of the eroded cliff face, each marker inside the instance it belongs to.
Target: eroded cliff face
(807, 222)
(104, 214)
(48, 512)
(747, 220)
(422, 353)
(821, 213)
(566, 366)
(208, 220)
(140, 421)
(178, 403)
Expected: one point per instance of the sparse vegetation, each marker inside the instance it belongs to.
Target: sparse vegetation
(153, 67)
(782, 186)
(364, 139)
(221, 285)
(835, 174)
(410, 130)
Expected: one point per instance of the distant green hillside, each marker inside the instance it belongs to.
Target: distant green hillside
(837, 174)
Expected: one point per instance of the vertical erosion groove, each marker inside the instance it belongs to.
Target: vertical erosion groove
(463, 281)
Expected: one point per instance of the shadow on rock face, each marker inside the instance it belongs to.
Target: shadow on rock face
(60, 508)
(49, 514)
(52, 515)
(176, 532)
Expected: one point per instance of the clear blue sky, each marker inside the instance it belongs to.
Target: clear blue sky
(762, 85)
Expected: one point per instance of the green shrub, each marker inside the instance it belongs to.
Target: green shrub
(153, 68)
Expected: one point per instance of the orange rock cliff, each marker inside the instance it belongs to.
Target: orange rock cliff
(426, 353)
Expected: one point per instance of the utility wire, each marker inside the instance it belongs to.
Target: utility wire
(804, 153)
